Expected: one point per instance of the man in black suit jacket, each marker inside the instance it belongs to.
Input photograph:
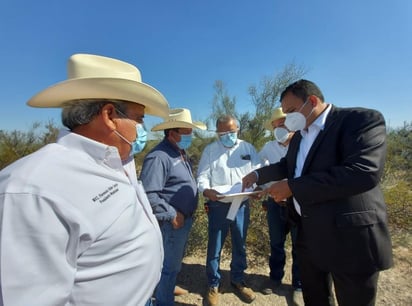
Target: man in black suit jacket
(330, 179)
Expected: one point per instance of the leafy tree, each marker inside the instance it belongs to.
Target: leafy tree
(222, 104)
(16, 144)
(265, 98)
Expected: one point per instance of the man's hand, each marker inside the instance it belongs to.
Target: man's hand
(211, 194)
(257, 196)
(178, 221)
(279, 191)
(249, 180)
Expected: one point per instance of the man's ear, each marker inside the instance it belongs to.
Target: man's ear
(108, 114)
(313, 100)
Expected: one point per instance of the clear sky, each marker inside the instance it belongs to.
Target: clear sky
(359, 52)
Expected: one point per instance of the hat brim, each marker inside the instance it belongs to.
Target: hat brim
(178, 124)
(103, 88)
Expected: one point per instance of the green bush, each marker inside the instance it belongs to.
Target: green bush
(398, 199)
(257, 239)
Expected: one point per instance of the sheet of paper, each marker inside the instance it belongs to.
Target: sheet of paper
(234, 195)
(234, 207)
(236, 199)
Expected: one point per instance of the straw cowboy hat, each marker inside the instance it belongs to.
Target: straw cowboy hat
(98, 77)
(277, 114)
(179, 118)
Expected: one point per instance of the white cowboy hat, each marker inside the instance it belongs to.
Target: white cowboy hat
(179, 118)
(277, 114)
(98, 77)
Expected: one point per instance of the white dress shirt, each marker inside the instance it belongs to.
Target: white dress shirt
(272, 152)
(220, 168)
(308, 138)
(75, 229)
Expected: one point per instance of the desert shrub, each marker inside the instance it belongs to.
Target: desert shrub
(16, 144)
(398, 199)
(257, 239)
(197, 242)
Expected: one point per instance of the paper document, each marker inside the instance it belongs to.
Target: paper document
(234, 207)
(235, 197)
(239, 194)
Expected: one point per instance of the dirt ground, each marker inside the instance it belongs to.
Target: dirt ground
(395, 285)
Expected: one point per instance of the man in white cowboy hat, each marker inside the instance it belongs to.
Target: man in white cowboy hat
(76, 225)
(277, 218)
(168, 180)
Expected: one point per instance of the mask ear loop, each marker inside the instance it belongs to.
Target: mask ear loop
(313, 108)
(122, 137)
(303, 105)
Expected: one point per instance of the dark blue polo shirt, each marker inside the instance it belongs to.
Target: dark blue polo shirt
(168, 180)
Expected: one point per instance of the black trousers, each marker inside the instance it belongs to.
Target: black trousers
(350, 289)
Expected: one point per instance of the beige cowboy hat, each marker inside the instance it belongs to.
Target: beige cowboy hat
(179, 118)
(277, 114)
(98, 77)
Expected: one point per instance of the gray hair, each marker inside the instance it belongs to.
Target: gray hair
(225, 119)
(79, 112)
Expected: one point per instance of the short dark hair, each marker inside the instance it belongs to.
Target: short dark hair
(303, 89)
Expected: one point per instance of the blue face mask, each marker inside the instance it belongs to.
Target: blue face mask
(139, 143)
(185, 142)
(229, 139)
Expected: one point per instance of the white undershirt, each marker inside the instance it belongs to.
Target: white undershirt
(308, 138)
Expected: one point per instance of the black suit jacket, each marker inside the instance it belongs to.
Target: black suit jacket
(343, 225)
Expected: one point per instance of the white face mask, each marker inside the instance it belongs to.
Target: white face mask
(296, 121)
(281, 134)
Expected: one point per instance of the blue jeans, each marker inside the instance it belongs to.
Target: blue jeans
(174, 244)
(278, 229)
(150, 302)
(218, 228)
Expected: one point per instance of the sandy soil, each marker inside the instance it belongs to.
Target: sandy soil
(395, 285)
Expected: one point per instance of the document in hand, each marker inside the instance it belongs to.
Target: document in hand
(235, 196)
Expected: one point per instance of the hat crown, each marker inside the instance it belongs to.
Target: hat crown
(179, 118)
(277, 114)
(95, 66)
(179, 114)
(98, 77)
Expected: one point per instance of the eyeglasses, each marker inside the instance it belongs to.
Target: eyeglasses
(138, 119)
(228, 132)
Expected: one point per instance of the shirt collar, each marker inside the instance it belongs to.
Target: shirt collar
(172, 145)
(318, 124)
(100, 152)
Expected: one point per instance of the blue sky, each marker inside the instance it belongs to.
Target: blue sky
(358, 52)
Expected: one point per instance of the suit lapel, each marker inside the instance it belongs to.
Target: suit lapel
(292, 153)
(328, 124)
